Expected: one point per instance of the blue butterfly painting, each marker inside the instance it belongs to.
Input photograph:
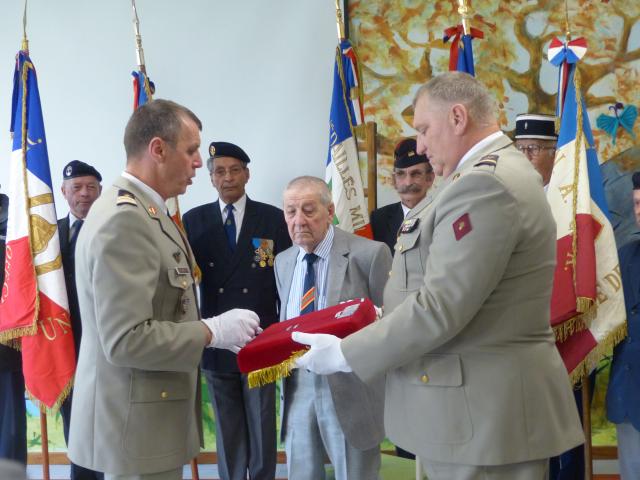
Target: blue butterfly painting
(626, 119)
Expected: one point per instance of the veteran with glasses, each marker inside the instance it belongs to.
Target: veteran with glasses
(536, 137)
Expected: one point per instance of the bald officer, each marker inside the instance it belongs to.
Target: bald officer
(475, 385)
(412, 178)
(80, 188)
(136, 402)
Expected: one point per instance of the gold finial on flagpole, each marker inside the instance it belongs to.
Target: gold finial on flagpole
(136, 31)
(566, 20)
(339, 21)
(25, 42)
(465, 12)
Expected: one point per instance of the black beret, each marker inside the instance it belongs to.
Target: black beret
(635, 178)
(405, 154)
(533, 125)
(226, 149)
(76, 168)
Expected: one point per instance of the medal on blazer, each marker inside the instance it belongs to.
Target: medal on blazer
(263, 251)
(409, 225)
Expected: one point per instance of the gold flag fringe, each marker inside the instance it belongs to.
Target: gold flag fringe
(263, 376)
(59, 401)
(7, 336)
(595, 355)
(568, 328)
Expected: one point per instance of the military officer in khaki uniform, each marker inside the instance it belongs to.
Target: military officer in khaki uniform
(475, 385)
(135, 403)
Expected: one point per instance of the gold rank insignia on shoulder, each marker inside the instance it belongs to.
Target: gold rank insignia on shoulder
(212, 150)
(488, 160)
(125, 198)
(153, 211)
(409, 225)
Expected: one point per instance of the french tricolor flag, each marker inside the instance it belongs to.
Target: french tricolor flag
(587, 303)
(34, 310)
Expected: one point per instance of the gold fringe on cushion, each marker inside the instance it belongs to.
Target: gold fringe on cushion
(603, 348)
(263, 376)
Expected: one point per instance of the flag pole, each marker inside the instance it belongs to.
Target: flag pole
(465, 13)
(44, 435)
(136, 31)
(339, 21)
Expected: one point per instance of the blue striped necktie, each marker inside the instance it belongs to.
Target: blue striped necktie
(308, 302)
(230, 227)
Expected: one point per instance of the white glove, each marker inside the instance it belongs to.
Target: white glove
(233, 329)
(379, 312)
(325, 356)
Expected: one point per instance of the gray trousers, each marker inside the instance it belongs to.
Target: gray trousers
(534, 470)
(628, 451)
(245, 426)
(312, 429)
(169, 475)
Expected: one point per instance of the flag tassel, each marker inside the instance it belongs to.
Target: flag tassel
(264, 376)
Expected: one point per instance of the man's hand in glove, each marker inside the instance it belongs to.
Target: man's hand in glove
(233, 329)
(324, 357)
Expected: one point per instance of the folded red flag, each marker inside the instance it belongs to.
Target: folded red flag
(271, 355)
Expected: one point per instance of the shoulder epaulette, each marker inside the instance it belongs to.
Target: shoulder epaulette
(125, 198)
(488, 161)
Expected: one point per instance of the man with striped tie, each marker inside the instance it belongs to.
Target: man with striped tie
(338, 413)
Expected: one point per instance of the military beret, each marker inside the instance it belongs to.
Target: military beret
(76, 168)
(635, 178)
(405, 154)
(226, 149)
(533, 125)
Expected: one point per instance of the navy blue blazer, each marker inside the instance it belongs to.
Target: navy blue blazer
(10, 359)
(385, 223)
(67, 250)
(623, 393)
(238, 279)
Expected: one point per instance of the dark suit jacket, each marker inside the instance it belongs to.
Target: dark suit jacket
(10, 359)
(623, 393)
(67, 251)
(385, 223)
(235, 280)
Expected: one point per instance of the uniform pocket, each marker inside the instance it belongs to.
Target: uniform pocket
(157, 420)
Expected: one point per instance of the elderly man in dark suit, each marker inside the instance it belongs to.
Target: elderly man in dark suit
(80, 188)
(13, 423)
(412, 179)
(235, 240)
(623, 393)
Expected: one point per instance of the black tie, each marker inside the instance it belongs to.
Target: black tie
(73, 232)
(308, 302)
(230, 228)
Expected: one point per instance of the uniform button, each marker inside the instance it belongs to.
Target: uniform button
(221, 290)
(253, 265)
(245, 290)
(389, 272)
(634, 311)
(164, 395)
(424, 378)
(184, 284)
(400, 247)
(211, 264)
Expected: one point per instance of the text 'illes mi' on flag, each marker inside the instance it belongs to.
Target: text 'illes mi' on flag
(342, 169)
(34, 310)
(587, 303)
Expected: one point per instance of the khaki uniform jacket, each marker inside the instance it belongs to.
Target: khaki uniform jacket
(135, 401)
(474, 376)
(357, 268)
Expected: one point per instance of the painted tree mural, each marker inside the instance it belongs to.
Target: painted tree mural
(400, 46)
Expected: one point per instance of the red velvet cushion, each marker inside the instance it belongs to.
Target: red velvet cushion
(274, 345)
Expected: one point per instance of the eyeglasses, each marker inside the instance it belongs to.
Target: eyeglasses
(233, 171)
(533, 150)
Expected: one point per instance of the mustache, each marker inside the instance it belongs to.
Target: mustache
(411, 188)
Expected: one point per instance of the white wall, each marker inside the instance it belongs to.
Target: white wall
(257, 72)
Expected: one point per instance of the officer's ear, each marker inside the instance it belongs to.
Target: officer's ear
(157, 149)
(459, 118)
